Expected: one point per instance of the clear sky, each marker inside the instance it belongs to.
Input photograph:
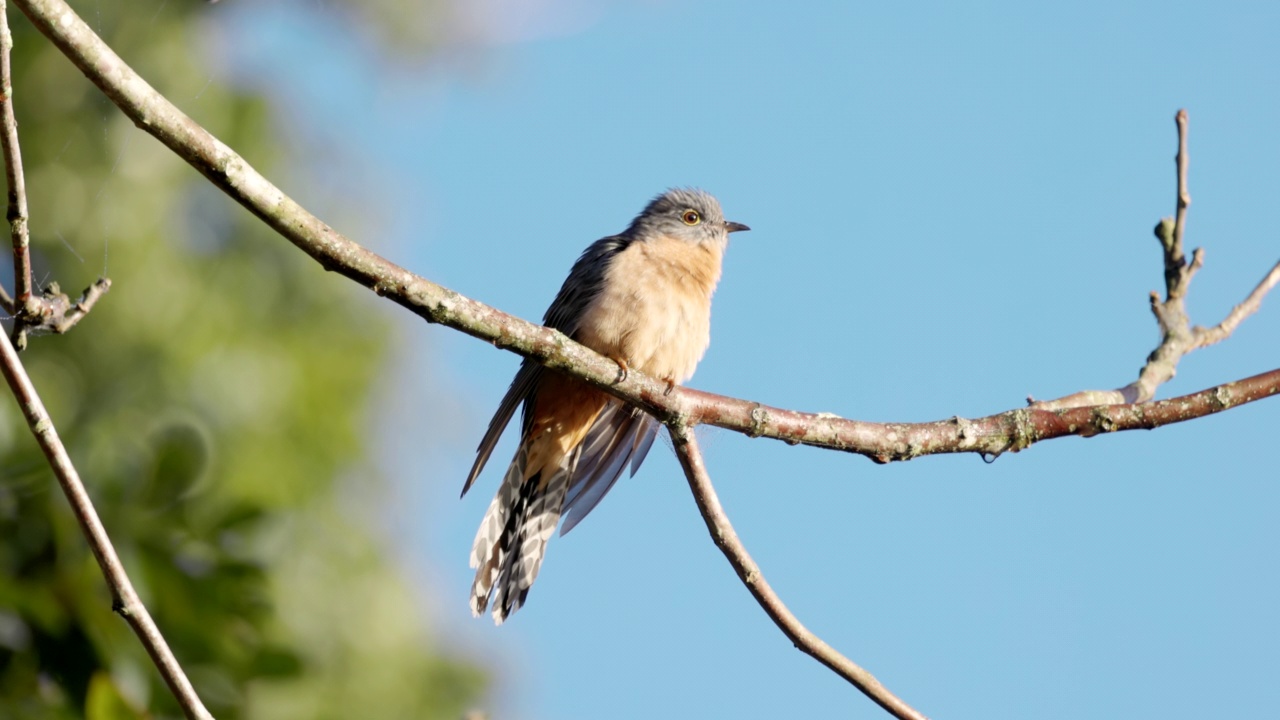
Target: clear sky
(951, 208)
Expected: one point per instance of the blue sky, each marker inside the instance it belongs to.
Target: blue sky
(951, 209)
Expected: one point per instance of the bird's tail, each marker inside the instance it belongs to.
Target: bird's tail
(513, 536)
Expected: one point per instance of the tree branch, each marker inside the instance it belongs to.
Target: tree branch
(1177, 337)
(17, 209)
(722, 532)
(1171, 313)
(1012, 430)
(51, 311)
(125, 598)
(1250, 305)
(681, 409)
(1009, 431)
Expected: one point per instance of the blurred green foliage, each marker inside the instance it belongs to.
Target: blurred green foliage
(212, 402)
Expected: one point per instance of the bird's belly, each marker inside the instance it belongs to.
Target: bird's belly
(657, 321)
(669, 336)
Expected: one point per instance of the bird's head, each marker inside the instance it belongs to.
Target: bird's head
(687, 214)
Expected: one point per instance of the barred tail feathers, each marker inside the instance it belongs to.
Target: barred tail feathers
(513, 536)
(569, 423)
(540, 515)
(488, 550)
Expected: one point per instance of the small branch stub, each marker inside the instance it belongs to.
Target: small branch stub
(53, 311)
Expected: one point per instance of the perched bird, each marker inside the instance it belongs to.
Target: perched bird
(641, 298)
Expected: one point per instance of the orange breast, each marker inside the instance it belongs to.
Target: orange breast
(655, 308)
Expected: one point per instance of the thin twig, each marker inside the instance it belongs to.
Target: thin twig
(722, 532)
(1171, 313)
(1250, 305)
(125, 599)
(152, 112)
(51, 311)
(1181, 162)
(17, 210)
(1177, 336)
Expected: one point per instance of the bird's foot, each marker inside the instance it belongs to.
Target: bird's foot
(622, 368)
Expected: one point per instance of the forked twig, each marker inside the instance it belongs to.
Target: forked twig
(51, 311)
(1177, 336)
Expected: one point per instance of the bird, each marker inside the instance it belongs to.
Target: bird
(641, 298)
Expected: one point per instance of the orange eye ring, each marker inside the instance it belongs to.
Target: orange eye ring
(691, 217)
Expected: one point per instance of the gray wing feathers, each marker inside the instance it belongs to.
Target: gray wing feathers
(521, 389)
(644, 440)
(583, 284)
(513, 536)
(512, 539)
(578, 290)
(619, 434)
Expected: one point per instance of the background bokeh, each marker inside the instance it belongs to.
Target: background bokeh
(951, 209)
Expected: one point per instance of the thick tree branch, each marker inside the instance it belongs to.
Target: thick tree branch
(126, 600)
(1012, 430)
(722, 532)
(680, 410)
(1177, 336)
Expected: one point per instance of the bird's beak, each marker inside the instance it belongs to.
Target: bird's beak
(731, 226)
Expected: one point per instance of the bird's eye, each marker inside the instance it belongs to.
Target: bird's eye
(691, 217)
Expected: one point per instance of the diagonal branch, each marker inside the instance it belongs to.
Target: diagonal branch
(126, 601)
(1012, 430)
(682, 409)
(722, 532)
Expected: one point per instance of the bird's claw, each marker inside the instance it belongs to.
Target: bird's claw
(622, 369)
